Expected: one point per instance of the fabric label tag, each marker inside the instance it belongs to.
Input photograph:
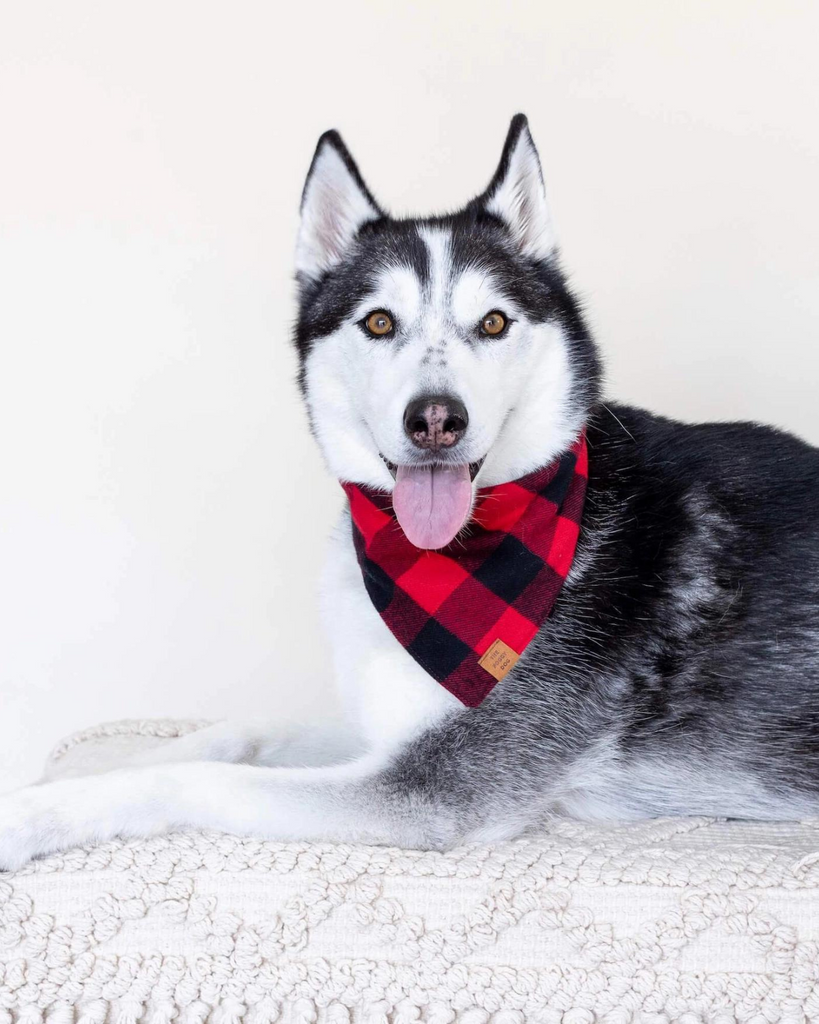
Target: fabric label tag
(499, 659)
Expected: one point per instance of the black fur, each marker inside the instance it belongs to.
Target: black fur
(682, 661)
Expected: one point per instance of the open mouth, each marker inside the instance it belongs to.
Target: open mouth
(472, 466)
(433, 501)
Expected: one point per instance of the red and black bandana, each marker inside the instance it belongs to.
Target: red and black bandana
(467, 612)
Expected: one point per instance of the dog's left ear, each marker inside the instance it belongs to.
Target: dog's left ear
(517, 195)
(334, 206)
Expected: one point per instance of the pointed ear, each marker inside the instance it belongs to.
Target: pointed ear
(334, 205)
(517, 194)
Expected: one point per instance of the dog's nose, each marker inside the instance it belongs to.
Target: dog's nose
(435, 422)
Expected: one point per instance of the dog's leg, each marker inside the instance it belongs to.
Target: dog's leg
(274, 746)
(295, 746)
(361, 801)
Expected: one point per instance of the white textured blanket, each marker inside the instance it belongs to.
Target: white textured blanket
(687, 920)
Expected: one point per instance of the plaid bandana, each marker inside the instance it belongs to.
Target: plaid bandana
(467, 612)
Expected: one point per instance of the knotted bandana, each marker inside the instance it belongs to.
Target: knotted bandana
(467, 612)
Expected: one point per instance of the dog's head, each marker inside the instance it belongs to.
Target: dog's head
(438, 354)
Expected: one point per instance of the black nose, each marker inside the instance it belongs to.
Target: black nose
(435, 421)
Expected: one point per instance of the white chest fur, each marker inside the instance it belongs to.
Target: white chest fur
(388, 694)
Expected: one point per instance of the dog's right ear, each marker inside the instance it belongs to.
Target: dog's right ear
(334, 205)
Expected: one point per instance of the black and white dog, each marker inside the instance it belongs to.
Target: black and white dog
(675, 671)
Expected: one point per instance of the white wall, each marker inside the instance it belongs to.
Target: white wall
(162, 509)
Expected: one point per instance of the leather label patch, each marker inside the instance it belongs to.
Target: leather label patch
(499, 659)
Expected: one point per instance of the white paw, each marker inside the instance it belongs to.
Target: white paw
(28, 826)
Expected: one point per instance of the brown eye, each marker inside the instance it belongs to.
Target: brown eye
(379, 323)
(493, 323)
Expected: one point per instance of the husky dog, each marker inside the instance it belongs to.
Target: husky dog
(679, 670)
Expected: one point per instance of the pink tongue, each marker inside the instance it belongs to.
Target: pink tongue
(432, 503)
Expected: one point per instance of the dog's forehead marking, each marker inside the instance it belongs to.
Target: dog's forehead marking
(438, 304)
(439, 247)
(455, 295)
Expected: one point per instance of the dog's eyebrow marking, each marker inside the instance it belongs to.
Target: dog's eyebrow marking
(397, 289)
(474, 294)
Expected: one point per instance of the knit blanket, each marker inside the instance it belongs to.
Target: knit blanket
(685, 920)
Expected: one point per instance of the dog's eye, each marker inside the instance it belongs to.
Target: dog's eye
(493, 323)
(379, 323)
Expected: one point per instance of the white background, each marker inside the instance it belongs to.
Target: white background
(162, 508)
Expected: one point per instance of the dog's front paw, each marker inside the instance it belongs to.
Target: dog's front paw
(28, 827)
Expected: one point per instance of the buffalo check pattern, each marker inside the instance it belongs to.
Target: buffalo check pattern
(497, 582)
